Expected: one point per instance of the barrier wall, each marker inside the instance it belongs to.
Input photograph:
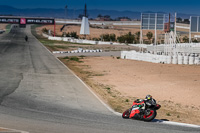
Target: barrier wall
(148, 57)
(73, 40)
(68, 39)
(179, 48)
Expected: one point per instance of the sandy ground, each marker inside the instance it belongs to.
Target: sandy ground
(175, 87)
(3, 26)
(165, 82)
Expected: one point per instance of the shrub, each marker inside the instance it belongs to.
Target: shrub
(64, 34)
(168, 114)
(96, 39)
(195, 41)
(128, 38)
(74, 58)
(137, 36)
(107, 88)
(149, 36)
(66, 57)
(127, 100)
(44, 30)
(72, 34)
(108, 37)
(185, 39)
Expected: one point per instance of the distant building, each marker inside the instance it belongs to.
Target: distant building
(103, 18)
(125, 19)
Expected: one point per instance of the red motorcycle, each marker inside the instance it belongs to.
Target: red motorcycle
(141, 110)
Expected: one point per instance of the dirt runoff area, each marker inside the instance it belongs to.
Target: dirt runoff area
(118, 82)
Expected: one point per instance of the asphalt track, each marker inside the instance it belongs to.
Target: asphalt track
(39, 95)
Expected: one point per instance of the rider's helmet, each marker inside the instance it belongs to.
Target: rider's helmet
(148, 97)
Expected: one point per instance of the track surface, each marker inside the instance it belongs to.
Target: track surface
(39, 95)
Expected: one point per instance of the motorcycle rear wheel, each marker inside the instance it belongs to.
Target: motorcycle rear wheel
(151, 115)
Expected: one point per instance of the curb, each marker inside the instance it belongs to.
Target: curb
(178, 124)
(8, 130)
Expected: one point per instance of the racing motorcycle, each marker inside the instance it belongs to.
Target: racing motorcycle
(141, 110)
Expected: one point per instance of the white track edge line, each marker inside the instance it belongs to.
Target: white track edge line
(109, 108)
(179, 124)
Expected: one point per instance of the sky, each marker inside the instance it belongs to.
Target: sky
(183, 6)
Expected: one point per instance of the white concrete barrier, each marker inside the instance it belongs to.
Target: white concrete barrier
(175, 59)
(191, 60)
(45, 35)
(186, 60)
(55, 38)
(196, 61)
(180, 59)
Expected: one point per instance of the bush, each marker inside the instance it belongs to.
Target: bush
(137, 36)
(185, 39)
(149, 36)
(66, 57)
(108, 37)
(195, 41)
(96, 39)
(74, 58)
(64, 34)
(127, 100)
(72, 34)
(44, 30)
(168, 114)
(128, 38)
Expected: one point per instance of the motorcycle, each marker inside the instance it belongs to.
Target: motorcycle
(141, 110)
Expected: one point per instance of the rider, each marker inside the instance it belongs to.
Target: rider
(149, 100)
(26, 38)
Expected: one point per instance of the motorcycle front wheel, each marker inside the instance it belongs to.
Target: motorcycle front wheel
(126, 114)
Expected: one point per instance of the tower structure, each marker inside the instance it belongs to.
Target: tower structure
(85, 29)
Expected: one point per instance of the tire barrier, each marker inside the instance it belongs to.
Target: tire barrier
(77, 51)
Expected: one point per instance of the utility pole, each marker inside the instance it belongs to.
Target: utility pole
(169, 23)
(66, 11)
(175, 23)
(190, 36)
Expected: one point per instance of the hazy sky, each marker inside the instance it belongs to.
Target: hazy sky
(184, 6)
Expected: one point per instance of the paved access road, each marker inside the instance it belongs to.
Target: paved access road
(39, 95)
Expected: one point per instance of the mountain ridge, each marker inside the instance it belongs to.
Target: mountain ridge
(72, 14)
